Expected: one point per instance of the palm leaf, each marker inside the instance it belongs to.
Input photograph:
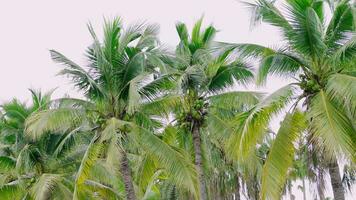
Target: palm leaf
(226, 75)
(342, 85)
(234, 100)
(88, 160)
(281, 155)
(181, 169)
(331, 127)
(60, 119)
(80, 77)
(45, 186)
(252, 125)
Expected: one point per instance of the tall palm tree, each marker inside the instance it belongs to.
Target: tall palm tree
(34, 170)
(321, 49)
(203, 75)
(124, 95)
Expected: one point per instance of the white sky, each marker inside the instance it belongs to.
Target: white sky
(28, 29)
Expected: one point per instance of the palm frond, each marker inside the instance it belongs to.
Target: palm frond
(342, 87)
(281, 155)
(82, 79)
(264, 10)
(331, 127)
(12, 192)
(60, 119)
(226, 75)
(159, 86)
(44, 186)
(182, 32)
(162, 106)
(88, 160)
(181, 169)
(279, 64)
(252, 125)
(6, 164)
(347, 51)
(340, 25)
(235, 100)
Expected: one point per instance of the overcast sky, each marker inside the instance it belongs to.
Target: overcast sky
(28, 29)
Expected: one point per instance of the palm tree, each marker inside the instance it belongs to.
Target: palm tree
(34, 170)
(321, 50)
(203, 76)
(124, 96)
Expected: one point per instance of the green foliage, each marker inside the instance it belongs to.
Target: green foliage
(156, 124)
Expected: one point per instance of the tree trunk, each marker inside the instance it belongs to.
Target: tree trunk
(199, 160)
(320, 185)
(336, 183)
(304, 192)
(237, 193)
(126, 175)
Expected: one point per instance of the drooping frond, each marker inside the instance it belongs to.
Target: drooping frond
(340, 25)
(331, 127)
(280, 64)
(6, 164)
(264, 10)
(149, 38)
(252, 125)
(88, 160)
(162, 106)
(177, 165)
(12, 191)
(342, 87)
(45, 186)
(281, 155)
(347, 51)
(60, 119)
(226, 75)
(65, 140)
(82, 79)
(159, 86)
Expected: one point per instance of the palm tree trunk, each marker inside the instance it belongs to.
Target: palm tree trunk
(237, 193)
(199, 159)
(126, 175)
(304, 193)
(336, 183)
(320, 185)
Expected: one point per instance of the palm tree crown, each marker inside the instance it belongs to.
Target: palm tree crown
(319, 53)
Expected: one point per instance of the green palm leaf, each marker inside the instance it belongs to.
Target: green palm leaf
(331, 127)
(181, 169)
(281, 155)
(251, 126)
(60, 119)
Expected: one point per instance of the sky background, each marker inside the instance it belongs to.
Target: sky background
(28, 29)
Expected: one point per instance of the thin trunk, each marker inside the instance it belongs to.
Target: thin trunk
(321, 193)
(304, 193)
(126, 175)
(336, 183)
(199, 160)
(320, 184)
(237, 193)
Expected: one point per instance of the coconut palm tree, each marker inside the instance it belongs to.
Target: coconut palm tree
(203, 75)
(124, 96)
(35, 170)
(318, 52)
